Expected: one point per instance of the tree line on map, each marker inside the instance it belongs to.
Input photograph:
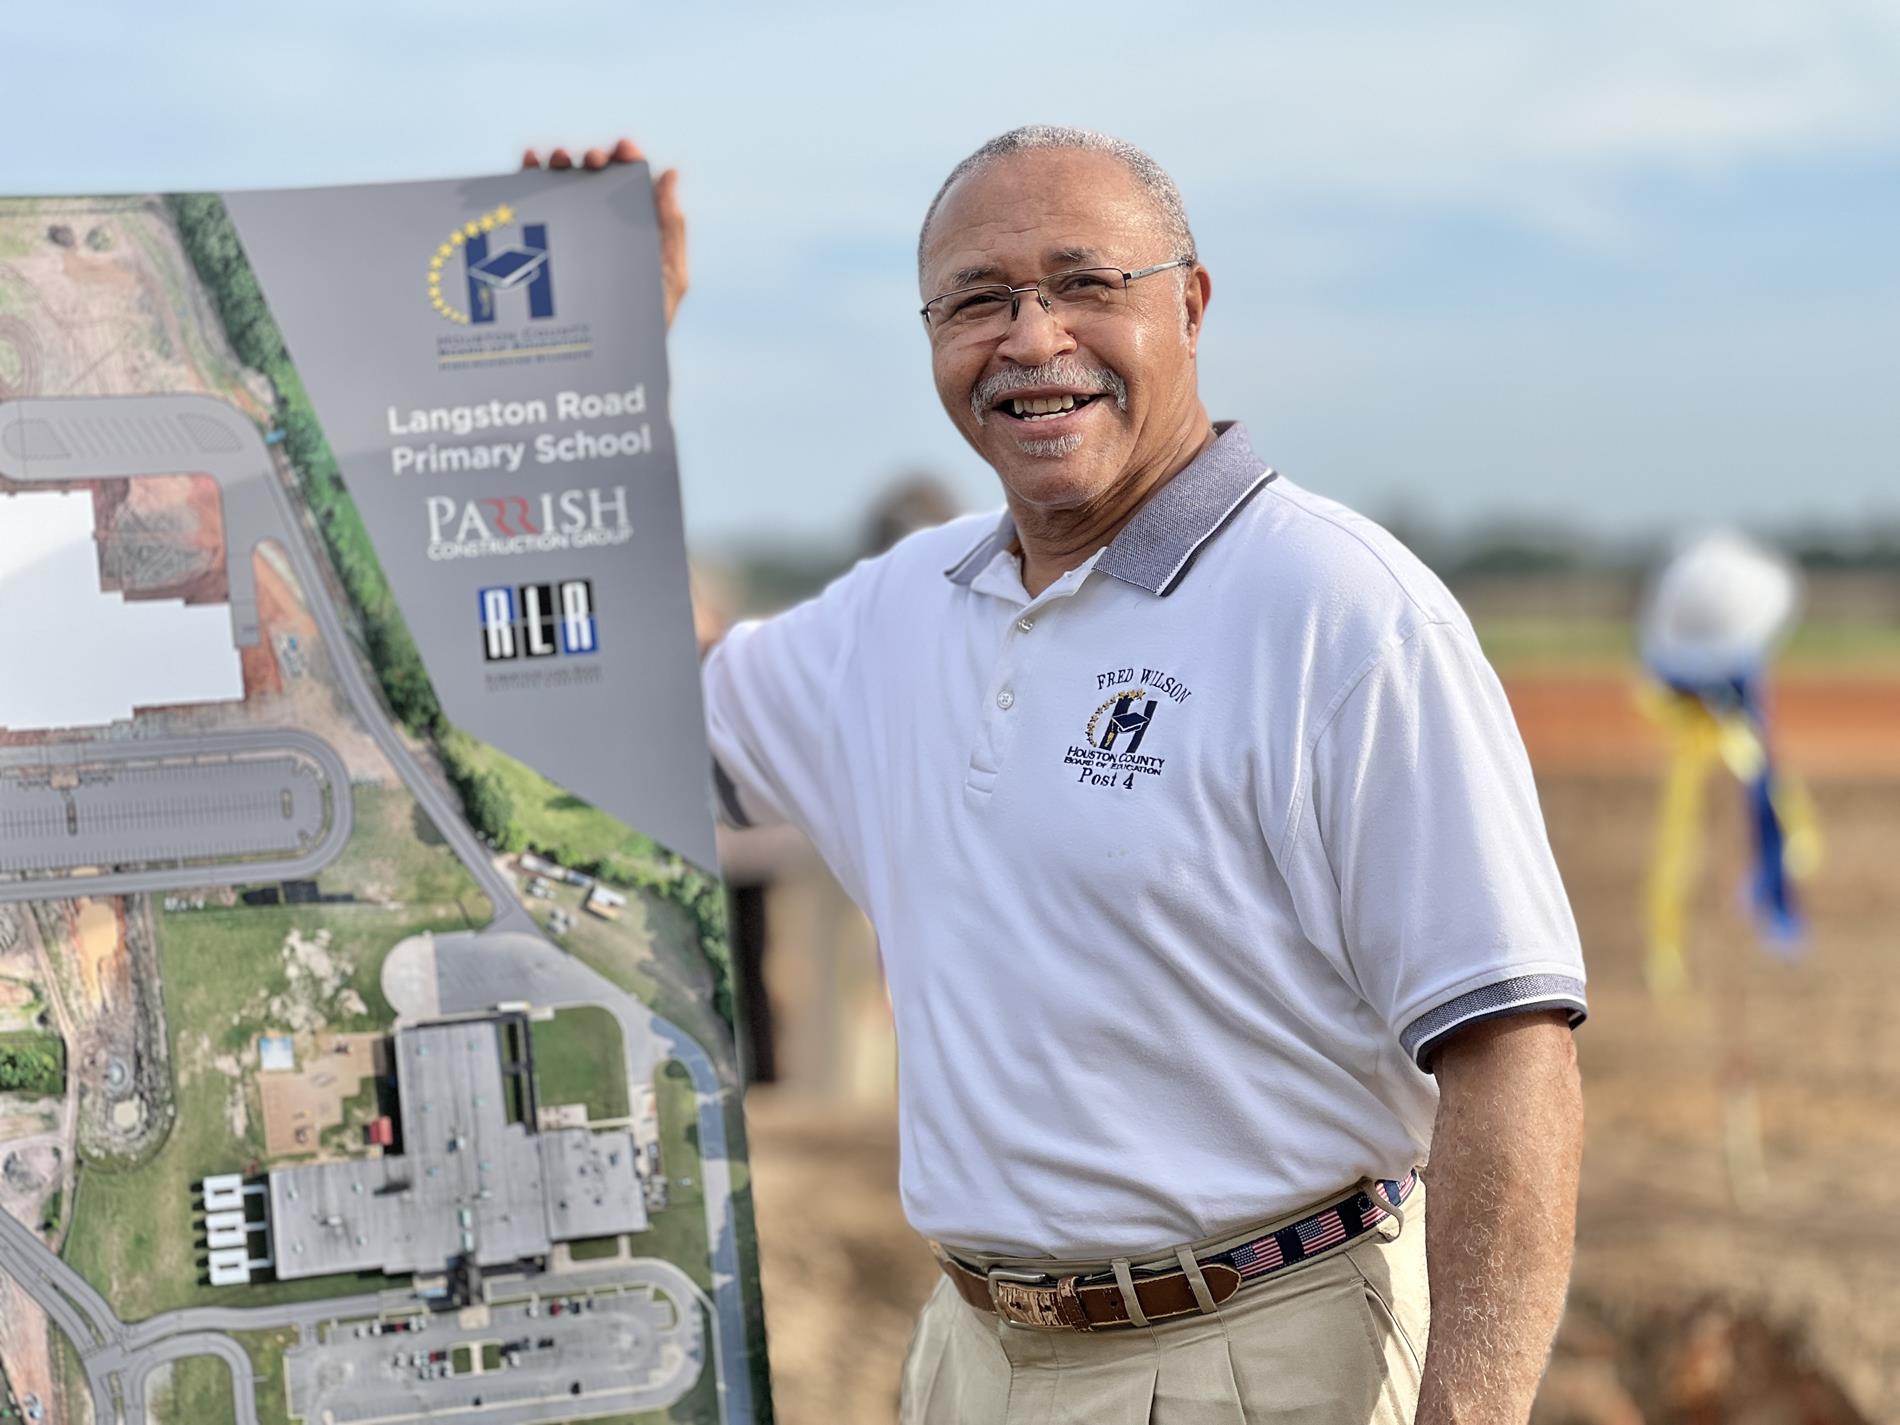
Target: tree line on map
(32, 1064)
(212, 244)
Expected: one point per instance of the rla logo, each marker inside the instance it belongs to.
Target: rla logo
(491, 267)
(538, 620)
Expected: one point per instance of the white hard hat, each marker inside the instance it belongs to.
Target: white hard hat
(1717, 610)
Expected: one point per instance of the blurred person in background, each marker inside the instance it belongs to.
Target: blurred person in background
(1206, 863)
(913, 503)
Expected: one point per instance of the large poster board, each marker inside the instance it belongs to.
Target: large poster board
(366, 1014)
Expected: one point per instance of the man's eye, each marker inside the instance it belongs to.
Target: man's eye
(1078, 284)
(974, 303)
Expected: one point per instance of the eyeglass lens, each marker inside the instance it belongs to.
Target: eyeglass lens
(1077, 294)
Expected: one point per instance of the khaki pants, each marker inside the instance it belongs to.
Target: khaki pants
(1338, 1341)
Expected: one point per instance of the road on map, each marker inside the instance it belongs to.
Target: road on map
(123, 820)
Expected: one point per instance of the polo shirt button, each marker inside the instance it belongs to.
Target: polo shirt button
(1005, 700)
(1025, 624)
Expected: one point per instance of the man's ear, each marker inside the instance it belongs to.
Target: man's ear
(1200, 290)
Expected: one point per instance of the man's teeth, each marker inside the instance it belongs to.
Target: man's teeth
(1042, 406)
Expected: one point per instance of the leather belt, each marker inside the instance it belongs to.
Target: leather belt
(1092, 1301)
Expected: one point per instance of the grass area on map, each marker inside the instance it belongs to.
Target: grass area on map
(580, 1056)
(198, 1393)
(620, 950)
(1601, 645)
(266, 1350)
(594, 1249)
(677, 1232)
(700, 1405)
(396, 853)
(133, 1231)
(563, 826)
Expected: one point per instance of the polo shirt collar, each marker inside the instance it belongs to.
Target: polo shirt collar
(1156, 547)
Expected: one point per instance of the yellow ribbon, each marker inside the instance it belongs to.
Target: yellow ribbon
(1694, 737)
(1698, 738)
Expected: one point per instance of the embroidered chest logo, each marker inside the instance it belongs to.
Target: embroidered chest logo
(1110, 754)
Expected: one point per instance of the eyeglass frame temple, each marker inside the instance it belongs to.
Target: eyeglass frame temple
(1015, 293)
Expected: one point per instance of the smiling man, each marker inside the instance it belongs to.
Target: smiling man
(1206, 865)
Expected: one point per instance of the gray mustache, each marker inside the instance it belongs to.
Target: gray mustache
(1052, 373)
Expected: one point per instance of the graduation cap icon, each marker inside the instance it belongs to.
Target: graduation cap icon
(509, 268)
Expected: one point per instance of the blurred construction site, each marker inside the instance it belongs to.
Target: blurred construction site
(1739, 1241)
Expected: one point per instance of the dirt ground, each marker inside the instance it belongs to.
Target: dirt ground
(1677, 1226)
(300, 1105)
(23, 1344)
(1834, 726)
(99, 946)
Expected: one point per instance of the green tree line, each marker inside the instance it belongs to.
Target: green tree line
(212, 245)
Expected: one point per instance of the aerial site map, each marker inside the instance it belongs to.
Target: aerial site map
(366, 1042)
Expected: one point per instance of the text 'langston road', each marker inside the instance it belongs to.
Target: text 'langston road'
(435, 457)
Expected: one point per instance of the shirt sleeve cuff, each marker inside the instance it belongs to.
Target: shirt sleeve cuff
(1523, 995)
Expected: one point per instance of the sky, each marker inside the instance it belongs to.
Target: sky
(1623, 269)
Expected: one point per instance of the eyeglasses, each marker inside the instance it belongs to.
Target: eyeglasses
(1078, 295)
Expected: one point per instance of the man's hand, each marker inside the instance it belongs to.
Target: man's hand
(666, 197)
(1501, 1218)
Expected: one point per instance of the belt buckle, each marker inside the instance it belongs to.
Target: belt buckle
(1025, 1298)
(1038, 1299)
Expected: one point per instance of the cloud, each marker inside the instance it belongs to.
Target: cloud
(854, 111)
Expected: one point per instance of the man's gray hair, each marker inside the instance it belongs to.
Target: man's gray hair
(1029, 138)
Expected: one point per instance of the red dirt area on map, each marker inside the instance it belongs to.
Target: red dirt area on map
(161, 537)
(1845, 725)
(279, 612)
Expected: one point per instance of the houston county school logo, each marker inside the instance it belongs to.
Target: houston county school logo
(487, 269)
(538, 620)
(1110, 753)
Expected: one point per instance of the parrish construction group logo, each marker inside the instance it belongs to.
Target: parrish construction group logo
(538, 620)
(477, 267)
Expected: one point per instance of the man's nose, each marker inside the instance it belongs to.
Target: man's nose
(1035, 336)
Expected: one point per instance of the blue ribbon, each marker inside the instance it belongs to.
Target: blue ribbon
(1771, 888)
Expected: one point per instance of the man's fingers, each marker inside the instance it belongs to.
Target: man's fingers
(625, 151)
(666, 201)
(666, 197)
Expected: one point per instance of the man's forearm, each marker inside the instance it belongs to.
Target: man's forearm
(1501, 1219)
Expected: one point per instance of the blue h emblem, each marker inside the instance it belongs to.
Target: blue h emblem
(526, 265)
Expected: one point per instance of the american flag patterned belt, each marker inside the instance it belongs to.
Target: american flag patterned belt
(1103, 1301)
(1310, 1236)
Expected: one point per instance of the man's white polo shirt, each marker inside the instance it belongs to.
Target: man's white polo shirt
(1180, 870)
